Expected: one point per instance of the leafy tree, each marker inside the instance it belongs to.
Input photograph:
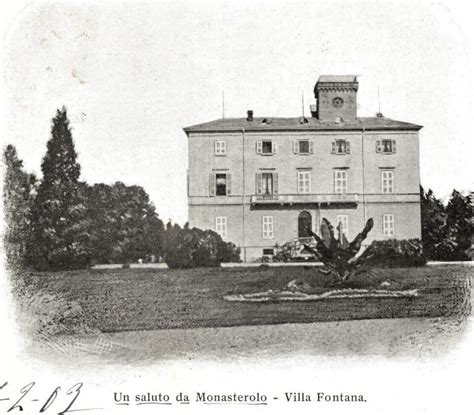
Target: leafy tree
(459, 225)
(19, 189)
(191, 248)
(446, 231)
(58, 215)
(124, 224)
(433, 219)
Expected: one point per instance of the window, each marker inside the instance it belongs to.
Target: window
(221, 226)
(340, 181)
(305, 224)
(344, 221)
(266, 184)
(387, 181)
(304, 181)
(341, 147)
(268, 251)
(388, 225)
(220, 148)
(303, 147)
(266, 147)
(219, 184)
(386, 146)
(267, 227)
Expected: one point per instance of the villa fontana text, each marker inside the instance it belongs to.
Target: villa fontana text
(252, 398)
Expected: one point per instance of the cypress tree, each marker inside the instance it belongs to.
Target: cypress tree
(58, 216)
(18, 196)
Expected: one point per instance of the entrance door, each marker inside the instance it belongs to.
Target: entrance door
(304, 224)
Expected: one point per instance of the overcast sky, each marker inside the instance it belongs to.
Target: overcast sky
(133, 75)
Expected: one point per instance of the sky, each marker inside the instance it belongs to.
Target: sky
(133, 75)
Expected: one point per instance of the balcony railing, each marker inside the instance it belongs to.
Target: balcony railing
(285, 199)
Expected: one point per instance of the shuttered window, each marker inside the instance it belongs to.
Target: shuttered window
(266, 147)
(220, 184)
(303, 147)
(386, 146)
(340, 147)
(266, 183)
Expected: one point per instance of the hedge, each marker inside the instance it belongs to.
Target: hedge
(393, 253)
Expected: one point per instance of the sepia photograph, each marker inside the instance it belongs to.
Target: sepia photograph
(264, 206)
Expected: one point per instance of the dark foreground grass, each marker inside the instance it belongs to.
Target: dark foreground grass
(135, 299)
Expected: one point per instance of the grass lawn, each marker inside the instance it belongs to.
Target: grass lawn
(135, 299)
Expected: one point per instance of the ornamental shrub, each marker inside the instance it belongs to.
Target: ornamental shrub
(395, 253)
(192, 248)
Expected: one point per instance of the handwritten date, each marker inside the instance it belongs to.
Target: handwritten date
(47, 405)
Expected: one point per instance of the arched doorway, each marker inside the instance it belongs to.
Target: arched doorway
(304, 224)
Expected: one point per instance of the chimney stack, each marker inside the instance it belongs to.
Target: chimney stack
(249, 115)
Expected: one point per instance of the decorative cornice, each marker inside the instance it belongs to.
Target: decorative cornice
(337, 86)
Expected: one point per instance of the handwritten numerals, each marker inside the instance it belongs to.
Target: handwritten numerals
(50, 400)
(24, 391)
(73, 392)
(76, 389)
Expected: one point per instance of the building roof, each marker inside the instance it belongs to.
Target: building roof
(296, 124)
(337, 78)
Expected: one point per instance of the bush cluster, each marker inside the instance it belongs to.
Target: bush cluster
(395, 253)
(191, 248)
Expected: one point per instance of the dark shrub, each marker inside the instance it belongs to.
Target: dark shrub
(395, 253)
(191, 248)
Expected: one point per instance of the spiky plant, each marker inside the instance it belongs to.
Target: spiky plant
(337, 254)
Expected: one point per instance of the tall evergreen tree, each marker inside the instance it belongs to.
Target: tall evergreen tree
(459, 225)
(18, 195)
(58, 216)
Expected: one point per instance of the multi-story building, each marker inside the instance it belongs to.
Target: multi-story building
(261, 181)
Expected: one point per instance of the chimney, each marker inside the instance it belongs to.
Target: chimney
(249, 115)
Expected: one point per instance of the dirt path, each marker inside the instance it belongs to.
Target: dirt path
(415, 337)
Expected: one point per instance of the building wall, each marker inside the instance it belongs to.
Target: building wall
(326, 109)
(285, 221)
(364, 179)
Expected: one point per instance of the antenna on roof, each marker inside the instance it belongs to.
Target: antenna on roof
(379, 114)
(378, 93)
(303, 120)
(302, 103)
(223, 105)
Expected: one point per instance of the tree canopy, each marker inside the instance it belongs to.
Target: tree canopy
(58, 214)
(19, 189)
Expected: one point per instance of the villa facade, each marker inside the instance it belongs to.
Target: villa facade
(261, 181)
